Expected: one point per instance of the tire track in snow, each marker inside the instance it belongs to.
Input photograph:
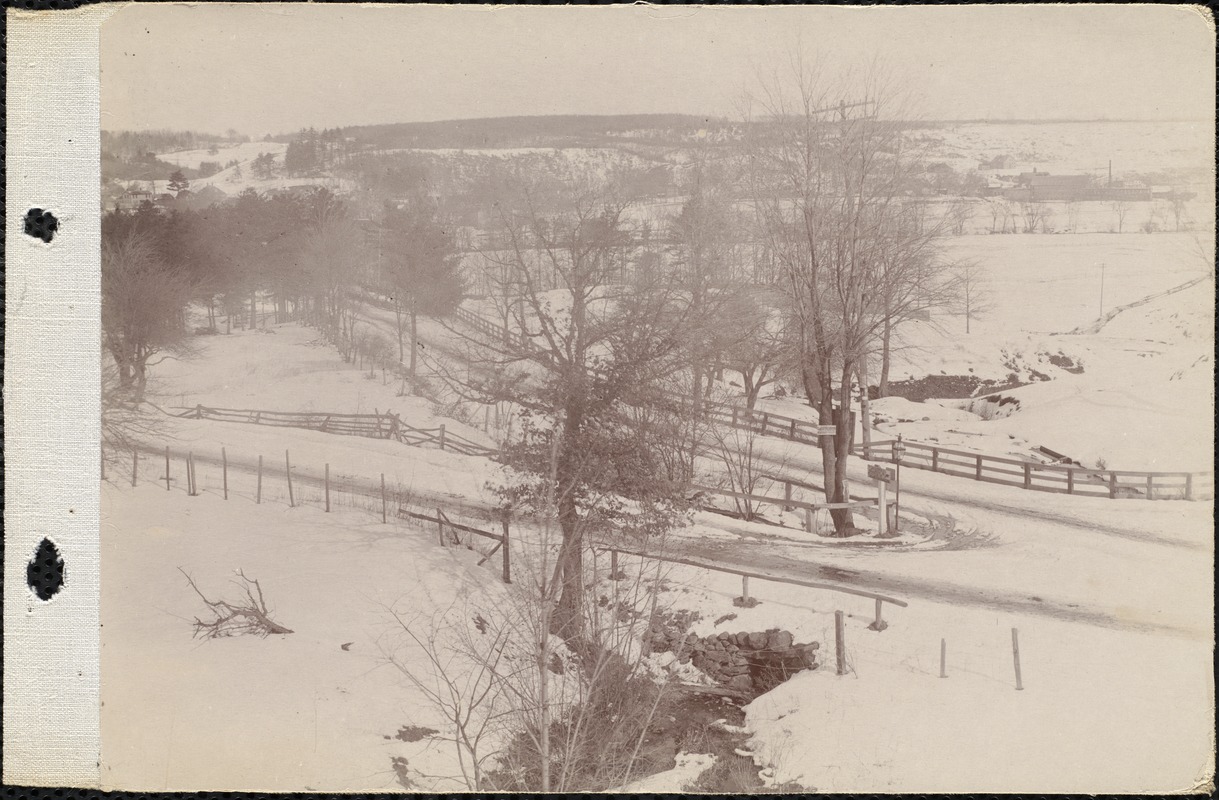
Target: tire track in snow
(937, 591)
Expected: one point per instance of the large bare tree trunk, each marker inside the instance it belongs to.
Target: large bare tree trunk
(836, 477)
(865, 409)
(399, 324)
(414, 338)
(886, 335)
(568, 619)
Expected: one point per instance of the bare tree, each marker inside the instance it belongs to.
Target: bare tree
(421, 267)
(911, 278)
(973, 297)
(707, 256)
(758, 345)
(742, 466)
(1120, 209)
(143, 305)
(829, 184)
(1178, 206)
(580, 355)
(1073, 215)
(1033, 213)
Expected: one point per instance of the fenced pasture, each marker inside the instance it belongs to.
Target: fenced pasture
(1033, 476)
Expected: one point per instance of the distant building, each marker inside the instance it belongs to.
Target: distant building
(1042, 187)
(207, 196)
(132, 200)
(1127, 190)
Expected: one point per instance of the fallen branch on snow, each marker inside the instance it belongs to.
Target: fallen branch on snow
(248, 616)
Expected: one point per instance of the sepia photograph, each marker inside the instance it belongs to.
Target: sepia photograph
(705, 400)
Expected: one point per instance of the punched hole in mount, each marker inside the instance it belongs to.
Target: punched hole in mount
(45, 572)
(41, 224)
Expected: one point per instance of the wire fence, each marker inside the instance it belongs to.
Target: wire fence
(274, 480)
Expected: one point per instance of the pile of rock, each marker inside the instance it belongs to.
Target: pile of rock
(748, 662)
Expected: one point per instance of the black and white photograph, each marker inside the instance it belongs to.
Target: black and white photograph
(704, 400)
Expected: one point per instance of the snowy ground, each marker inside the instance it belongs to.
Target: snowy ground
(1113, 612)
(1113, 600)
(315, 710)
(1071, 147)
(1144, 400)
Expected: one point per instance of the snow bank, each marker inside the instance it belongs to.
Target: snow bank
(1088, 720)
(315, 710)
(688, 769)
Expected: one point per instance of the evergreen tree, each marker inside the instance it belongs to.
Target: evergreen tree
(421, 266)
(178, 182)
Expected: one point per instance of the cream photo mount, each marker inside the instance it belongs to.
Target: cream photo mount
(51, 397)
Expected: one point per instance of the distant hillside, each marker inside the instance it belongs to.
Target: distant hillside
(499, 132)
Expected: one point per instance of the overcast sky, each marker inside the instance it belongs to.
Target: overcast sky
(274, 68)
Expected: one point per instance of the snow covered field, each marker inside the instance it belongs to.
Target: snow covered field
(1133, 146)
(1113, 602)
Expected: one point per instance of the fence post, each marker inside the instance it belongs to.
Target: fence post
(1189, 486)
(1150, 487)
(1028, 475)
(935, 459)
(258, 495)
(840, 642)
(288, 470)
(1112, 484)
(978, 469)
(327, 488)
(506, 551)
(442, 437)
(745, 590)
(614, 565)
(792, 433)
(135, 465)
(943, 658)
(1070, 480)
(787, 496)
(879, 623)
(224, 470)
(882, 508)
(808, 520)
(384, 507)
(190, 475)
(765, 422)
(198, 411)
(1016, 658)
(167, 468)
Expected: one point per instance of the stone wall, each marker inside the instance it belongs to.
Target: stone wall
(749, 662)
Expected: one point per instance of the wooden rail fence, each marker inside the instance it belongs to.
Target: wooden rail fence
(787, 503)
(1033, 476)
(1059, 478)
(373, 426)
(745, 575)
